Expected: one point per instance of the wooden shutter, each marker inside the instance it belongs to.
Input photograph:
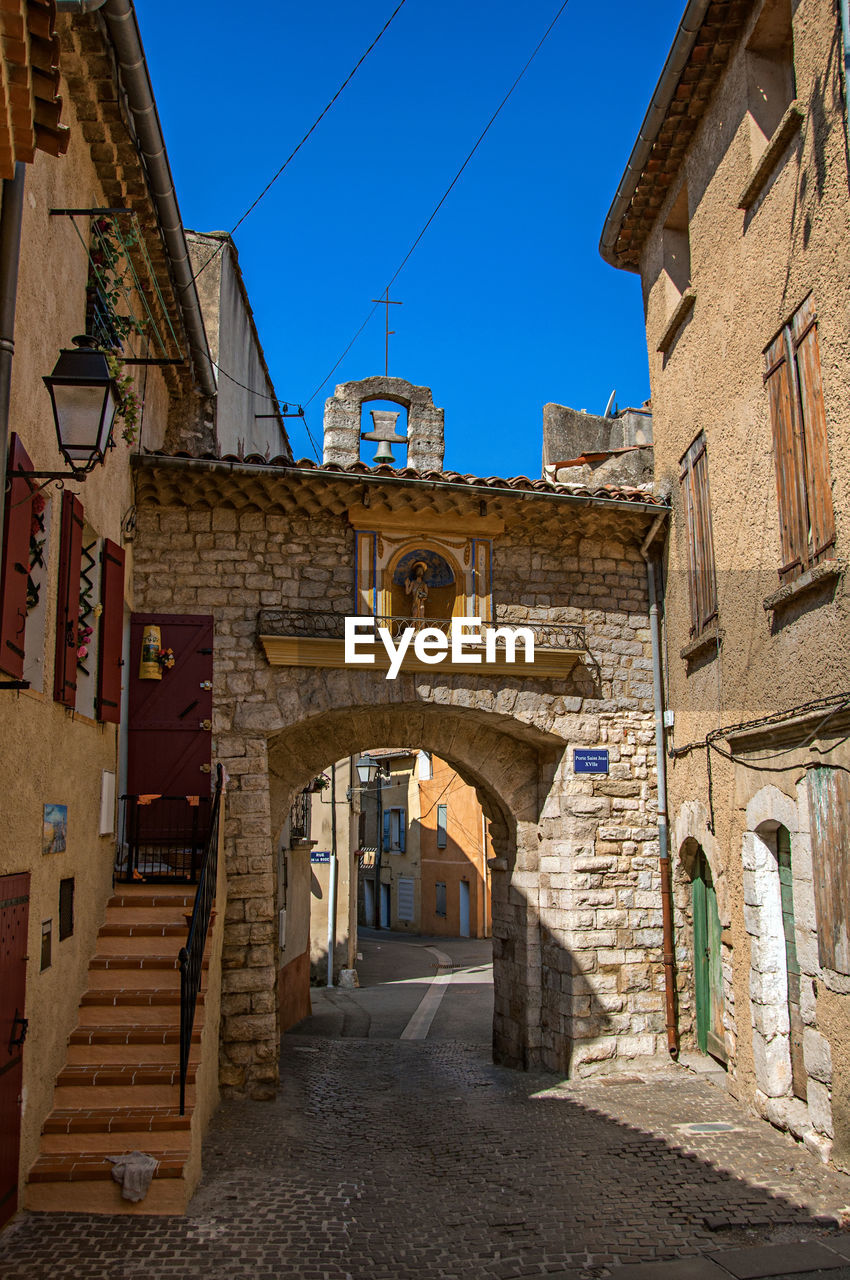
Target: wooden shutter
(385, 843)
(68, 605)
(829, 809)
(804, 336)
(111, 634)
(401, 829)
(17, 519)
(702, 580)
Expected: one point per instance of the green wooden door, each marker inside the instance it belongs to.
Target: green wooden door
(707, 971)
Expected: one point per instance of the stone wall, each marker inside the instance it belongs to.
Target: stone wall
(575, 884)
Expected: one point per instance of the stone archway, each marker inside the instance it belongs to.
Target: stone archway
(424, 421)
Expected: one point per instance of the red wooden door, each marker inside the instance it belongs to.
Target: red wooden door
(14, 916)
(170, 720)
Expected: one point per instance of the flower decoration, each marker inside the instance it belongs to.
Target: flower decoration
(166, 659)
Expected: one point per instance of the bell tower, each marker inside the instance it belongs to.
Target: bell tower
(424, 439)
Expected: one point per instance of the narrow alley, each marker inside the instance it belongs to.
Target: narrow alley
(396, 1149)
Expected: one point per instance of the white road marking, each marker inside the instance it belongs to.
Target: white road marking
(420, 1024)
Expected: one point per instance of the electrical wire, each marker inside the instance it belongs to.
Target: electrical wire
(267, 188)
(442, 199)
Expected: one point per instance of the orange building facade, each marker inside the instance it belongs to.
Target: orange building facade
(454, 848)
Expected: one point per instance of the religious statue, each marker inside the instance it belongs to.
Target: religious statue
(417, 587)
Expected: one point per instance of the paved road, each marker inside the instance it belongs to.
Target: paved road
(389, 1158)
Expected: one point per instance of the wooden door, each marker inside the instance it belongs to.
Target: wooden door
(170, 720)
(14, 917)
(708, 975)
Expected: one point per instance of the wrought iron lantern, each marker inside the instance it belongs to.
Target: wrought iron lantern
(367, 769)
(85, 398)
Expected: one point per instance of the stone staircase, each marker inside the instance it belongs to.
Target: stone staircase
(119, 1090)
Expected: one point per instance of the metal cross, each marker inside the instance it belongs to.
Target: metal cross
(387, 302)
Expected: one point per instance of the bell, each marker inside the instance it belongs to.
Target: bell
(383, 454)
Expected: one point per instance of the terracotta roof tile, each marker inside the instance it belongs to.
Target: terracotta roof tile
(614, 493)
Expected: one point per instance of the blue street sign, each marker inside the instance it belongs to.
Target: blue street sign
(587, 761)
(320, 855)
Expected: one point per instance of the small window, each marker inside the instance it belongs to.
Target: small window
(66, 908)
(801, 455)
(425, 768)
(46, 944)
(442, 826)
(697, 510)
(770, 73)
(440, 889)
(676, 247)
(394, 830)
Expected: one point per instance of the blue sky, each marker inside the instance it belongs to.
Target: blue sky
(506, 302)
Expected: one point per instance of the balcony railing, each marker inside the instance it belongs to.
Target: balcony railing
(315, 624)
(162, 837)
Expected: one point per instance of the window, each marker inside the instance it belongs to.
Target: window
(442, 826)
(66, 908)
(46, 944)
(440, 896)
(394, 831)
(425, 767)
(697, 508)
(793, 380)
(676, 247)
(770, 73)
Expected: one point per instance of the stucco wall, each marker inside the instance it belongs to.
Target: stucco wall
(750, 271)
(52, 755)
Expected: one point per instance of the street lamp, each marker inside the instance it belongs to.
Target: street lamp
(85, 398)
(369, 771)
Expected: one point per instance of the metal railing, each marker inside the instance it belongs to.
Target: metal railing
(299, 817)
(321, 625)
(191, 957)
(162, 837)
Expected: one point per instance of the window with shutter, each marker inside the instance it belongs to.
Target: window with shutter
(68, 603)
(14, 572)
(795, 392)
(111, 633)
(702, 580)
(442, 826)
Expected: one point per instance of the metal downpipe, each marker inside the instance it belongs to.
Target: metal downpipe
(11, 217)
(123, 29)
(661, 771)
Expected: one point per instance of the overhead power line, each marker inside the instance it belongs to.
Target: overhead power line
(267, 188)
(442, 200)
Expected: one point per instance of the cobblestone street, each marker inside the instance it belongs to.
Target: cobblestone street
(388, 1157)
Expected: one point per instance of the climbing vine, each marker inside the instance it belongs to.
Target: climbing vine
(110, 327)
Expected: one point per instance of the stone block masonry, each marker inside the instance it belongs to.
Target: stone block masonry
(575, 885)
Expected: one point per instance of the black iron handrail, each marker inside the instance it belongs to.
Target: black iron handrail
(192, 955)
(318, 624)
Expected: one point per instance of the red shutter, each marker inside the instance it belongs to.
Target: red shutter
(17, 520)
(822, 520)
(787, 451)
(68, 607)
(111, 634)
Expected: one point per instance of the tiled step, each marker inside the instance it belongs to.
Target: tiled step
(139, 996)
(68, 1144)
(116, 1120)
(124, 1075)
(166, 1196)
(137, 1033)
(129, 896)
(114, 1055)
(93, 1166)
(107, 1096)
(142, 961)
(146, 929)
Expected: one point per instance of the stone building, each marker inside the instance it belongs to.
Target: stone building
(69, 267)
(280, 555)
(733, 209)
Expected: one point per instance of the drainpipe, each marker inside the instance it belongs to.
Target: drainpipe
(332, 883)
(11, 216)
(661, 770)
(126, 39)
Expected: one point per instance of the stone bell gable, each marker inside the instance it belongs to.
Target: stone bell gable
(425, 443)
